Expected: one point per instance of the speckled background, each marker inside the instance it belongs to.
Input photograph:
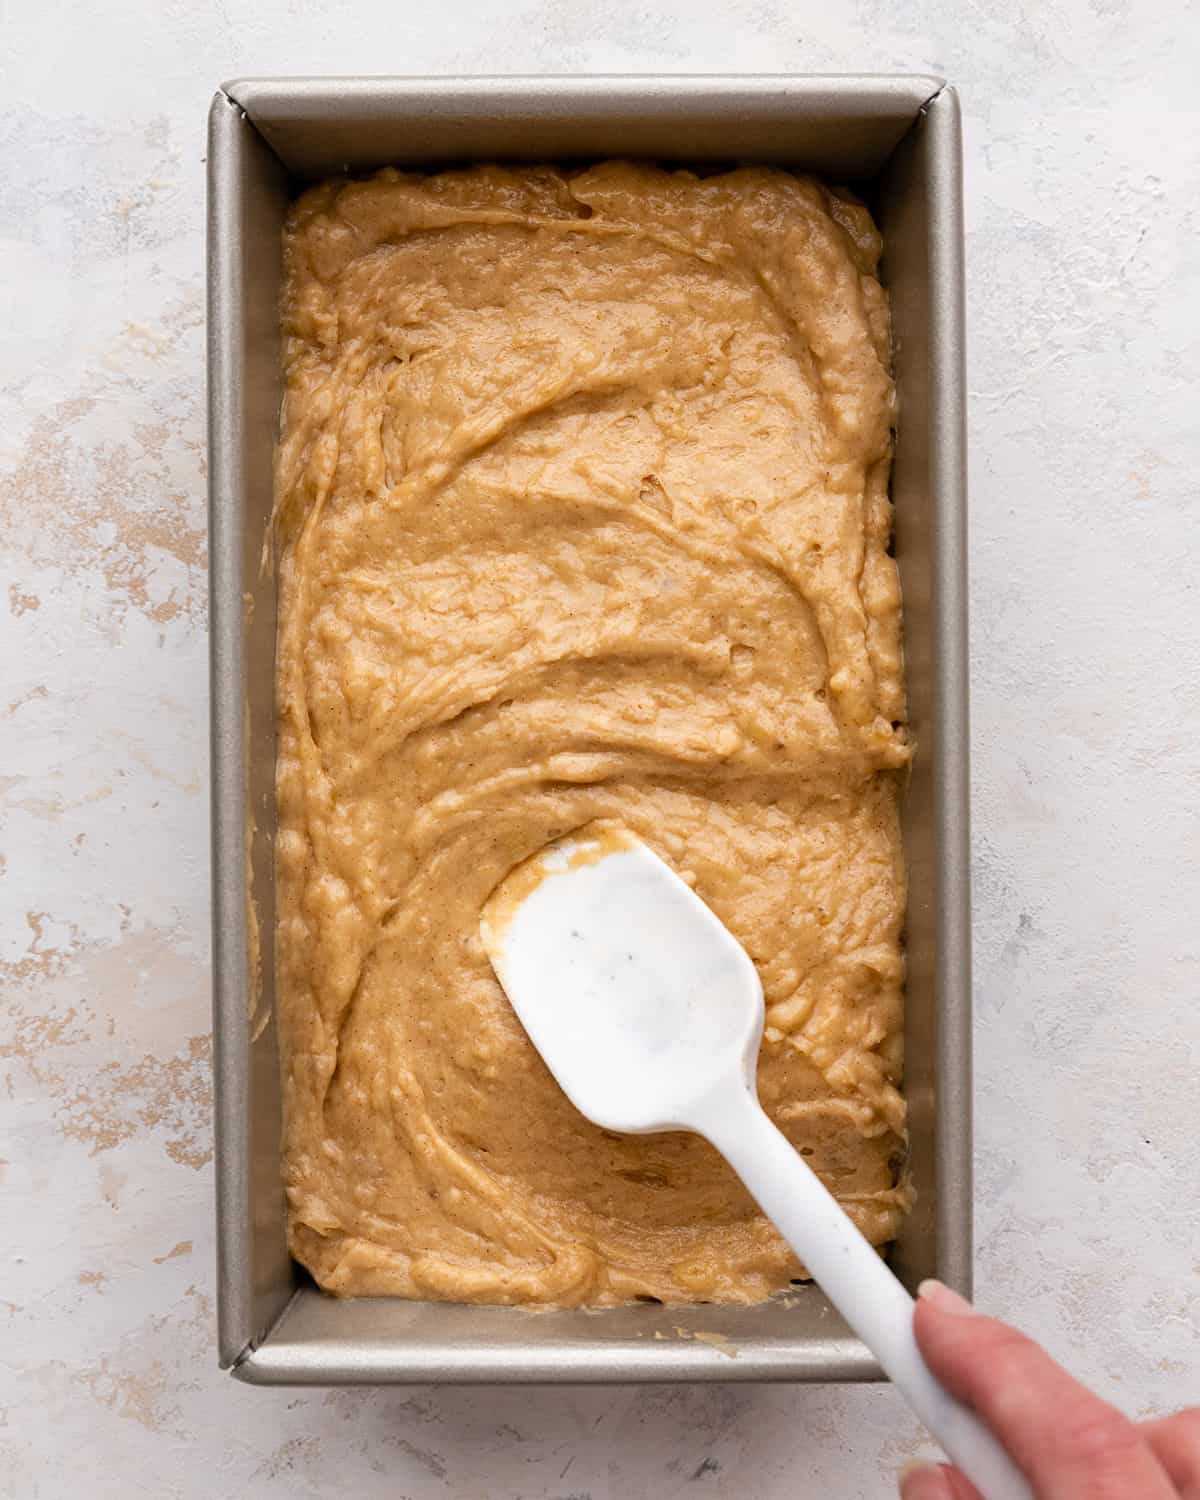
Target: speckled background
(1084, 300)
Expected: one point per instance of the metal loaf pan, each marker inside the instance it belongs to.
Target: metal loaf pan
(894, 139)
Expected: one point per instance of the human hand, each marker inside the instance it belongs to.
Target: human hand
(1068, 1443)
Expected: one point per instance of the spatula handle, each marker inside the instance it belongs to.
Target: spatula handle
(855, 1279)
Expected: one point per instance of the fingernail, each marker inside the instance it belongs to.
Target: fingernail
(921, 1481)
(944, 1299)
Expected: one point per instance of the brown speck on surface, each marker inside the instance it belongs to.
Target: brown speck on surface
(40, 959)
(139, 1394)
(169, 1096)
(21, 602)
(184, 1247)
(112, 1184)
(294, 1456)
(110, 503)
(32, 696)
(30, 1034)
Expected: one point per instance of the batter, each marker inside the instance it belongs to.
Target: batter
(583, 514)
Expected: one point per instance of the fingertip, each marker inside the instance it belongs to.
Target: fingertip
(945, 1299)
(926, 1481)
(948, 1329)
(919, 1481)
(939, 1334)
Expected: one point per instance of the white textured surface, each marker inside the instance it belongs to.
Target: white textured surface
(1085, 344)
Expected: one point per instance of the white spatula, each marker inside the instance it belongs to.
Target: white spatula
(649, 1014)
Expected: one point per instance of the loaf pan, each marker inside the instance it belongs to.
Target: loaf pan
(895, 139)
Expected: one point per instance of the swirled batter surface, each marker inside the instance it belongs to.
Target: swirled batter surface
(583, 515)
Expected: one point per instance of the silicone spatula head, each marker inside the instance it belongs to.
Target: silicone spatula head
(637, 997)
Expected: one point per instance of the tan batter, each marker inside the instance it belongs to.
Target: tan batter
(582, 494)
